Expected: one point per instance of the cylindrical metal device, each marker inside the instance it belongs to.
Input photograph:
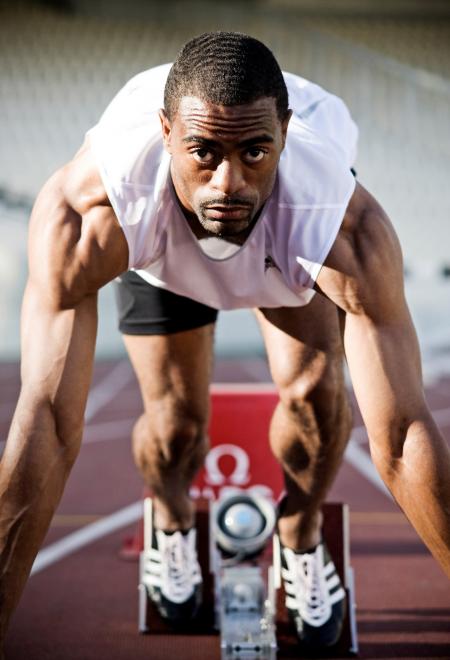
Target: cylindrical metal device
(243, 522)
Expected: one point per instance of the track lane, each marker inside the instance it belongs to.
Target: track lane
(85, 606)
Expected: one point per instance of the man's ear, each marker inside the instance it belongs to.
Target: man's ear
(166, 129)
(284, 125)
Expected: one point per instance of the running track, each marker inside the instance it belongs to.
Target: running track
(81, 602)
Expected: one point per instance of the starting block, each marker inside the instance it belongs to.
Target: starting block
(243, 598)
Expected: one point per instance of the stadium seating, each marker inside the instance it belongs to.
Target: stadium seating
(59, 71)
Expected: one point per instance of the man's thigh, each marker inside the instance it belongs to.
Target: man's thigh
(304, 344)
(169, 339)
(174, 370)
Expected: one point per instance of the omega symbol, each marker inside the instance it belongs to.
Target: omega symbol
(240, 474)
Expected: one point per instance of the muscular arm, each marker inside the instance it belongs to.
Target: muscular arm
(363, 275)
(75, 247)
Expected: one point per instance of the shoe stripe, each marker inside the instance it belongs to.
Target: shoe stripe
(289, 589)
(329, 568)
(291, 603)
(149, 571)
(152, 580)
(337, 586)
(153, 555)
(337, 596)
(286, 574)
(333, 581)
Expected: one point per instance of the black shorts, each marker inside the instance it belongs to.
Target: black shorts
(144, 309)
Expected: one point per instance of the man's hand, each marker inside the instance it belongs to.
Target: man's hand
(76, 246)
(363, 275)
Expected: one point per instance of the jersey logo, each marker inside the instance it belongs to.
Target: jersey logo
(269, 263)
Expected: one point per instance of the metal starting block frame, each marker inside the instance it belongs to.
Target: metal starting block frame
(245, 602)
(244, 599)
(246, 611)
(142, 589)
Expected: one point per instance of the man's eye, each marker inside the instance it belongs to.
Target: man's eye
(254, 155)
(203, 156)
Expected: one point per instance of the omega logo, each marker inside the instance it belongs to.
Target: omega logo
(240, 474)
(220, 484)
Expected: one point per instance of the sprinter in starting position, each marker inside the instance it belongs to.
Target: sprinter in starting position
(221, 183)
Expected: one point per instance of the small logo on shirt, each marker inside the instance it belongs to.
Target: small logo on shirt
(269, 263)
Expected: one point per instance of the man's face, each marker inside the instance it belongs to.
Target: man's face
(224, 160)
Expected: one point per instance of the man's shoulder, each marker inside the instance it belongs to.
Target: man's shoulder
(79, 182)
(143, 93)
(365, 220)
(302, 92)
(321, 117)
(313, 173)
(366, 256)
(363, 272)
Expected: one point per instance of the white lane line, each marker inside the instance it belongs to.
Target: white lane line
(104, 431)
(114, 381)
(103, 392)
(116, 429)
(87, 534)
(100, 528)
(359, 435)
(356, 456)
(96, 530)
(362, 461)
(108, 430)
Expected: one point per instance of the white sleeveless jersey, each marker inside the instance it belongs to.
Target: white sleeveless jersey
(279, 262)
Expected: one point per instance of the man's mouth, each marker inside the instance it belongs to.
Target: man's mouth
(226, 212)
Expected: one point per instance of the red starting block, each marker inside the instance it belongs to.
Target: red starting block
(240, 459)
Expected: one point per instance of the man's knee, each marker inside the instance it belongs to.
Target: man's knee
(171, 435)
(312, 420)
(318, 388)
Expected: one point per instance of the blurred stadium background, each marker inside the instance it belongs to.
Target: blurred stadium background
(62, 61)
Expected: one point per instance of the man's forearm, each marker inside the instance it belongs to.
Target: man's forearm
(33, 470)
(419, 480)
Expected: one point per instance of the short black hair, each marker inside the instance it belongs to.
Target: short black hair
(225, 68)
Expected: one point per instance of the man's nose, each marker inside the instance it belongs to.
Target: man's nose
(228, 177)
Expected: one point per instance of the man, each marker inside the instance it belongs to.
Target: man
(236, 202)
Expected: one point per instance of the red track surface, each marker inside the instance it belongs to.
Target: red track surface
(85, 605)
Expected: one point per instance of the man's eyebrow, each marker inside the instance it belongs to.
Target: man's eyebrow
(206, 142)
(264, 137)
(200, 140)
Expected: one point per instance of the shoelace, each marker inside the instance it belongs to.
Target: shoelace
(176, 562)
(309, 581)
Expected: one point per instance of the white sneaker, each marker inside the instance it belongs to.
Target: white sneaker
(315, 597)
(172, 575)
